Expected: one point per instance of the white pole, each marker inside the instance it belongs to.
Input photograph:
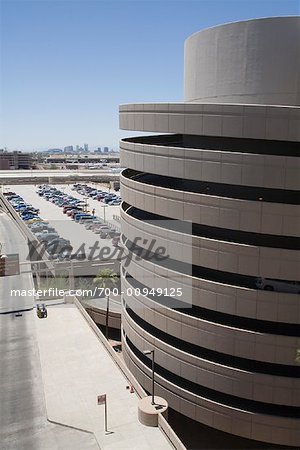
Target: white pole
(105, 415)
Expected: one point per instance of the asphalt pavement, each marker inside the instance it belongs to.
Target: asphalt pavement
(80, 238)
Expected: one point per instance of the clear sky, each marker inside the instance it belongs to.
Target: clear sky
(66, 65)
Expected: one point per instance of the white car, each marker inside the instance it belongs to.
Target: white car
(268, 284)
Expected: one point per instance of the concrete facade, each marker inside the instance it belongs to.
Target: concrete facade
(239, 63)
(225, 352)
(15, 160)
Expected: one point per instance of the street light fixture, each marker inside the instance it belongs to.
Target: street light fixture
(86, 203)
(104, 206)
(151, 352)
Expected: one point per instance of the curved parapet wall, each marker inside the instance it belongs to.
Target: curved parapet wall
(261, 122)
(254, 61)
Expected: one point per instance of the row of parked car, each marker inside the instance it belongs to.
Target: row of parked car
(75, 209)
(108, 198)
(43, 231)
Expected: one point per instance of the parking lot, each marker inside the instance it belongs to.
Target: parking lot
(79, 237)
(110, 211)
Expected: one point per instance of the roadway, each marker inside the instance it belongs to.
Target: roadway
(52, 173)
(14, 242)
(54, 176)
(77, 234)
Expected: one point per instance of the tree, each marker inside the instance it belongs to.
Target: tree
(106, 279)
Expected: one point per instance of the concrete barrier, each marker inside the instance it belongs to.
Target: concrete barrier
(147, 412)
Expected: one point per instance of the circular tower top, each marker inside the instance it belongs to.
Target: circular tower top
(254, 61)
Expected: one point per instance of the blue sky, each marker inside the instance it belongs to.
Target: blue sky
(66, 65)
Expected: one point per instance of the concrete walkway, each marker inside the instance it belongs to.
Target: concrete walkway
(75, 369)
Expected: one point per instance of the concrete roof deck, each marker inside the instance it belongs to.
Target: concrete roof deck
(75, 369)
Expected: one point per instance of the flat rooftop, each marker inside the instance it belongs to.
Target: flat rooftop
(76, 368)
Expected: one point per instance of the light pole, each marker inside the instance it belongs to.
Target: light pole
(86, 203)
(151, 352)
(106, 317)
(104, 206)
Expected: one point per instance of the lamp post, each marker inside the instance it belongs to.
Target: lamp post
(107, 316)
(151, 352)
(104, 206)
(86, 203)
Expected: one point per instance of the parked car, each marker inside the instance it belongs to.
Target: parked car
(101, 229)
(89, 226)
(104, 234)
(47, 237)
(268, 284)
(116, 241)
(58, 245)
(79, 216)
(86, 219)
(28, 215)
(30, 219)
(113, 233)
(42, 229)
(40, 225)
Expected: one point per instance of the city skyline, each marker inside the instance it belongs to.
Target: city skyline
(66, 66)
(92, 148)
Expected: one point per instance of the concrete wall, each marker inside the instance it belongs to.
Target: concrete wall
(254, 61)
(215, 119)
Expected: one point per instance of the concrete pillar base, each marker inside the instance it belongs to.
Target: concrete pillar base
(68, 298)
(148, 413)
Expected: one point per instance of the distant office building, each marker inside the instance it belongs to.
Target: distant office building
(98, 150)
(15, 160)
(4, 163)
(69, 149)
(228, 168)
(105, 149)
(83, 158)
(54, 151)
(77, 148)
(86, 147)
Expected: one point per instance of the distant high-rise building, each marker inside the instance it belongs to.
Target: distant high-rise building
(105, 149)
(54, 150)
(86, 147)
(77, 148)
(69, 148)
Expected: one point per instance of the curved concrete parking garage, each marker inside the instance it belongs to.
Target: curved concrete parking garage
(221, 194)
